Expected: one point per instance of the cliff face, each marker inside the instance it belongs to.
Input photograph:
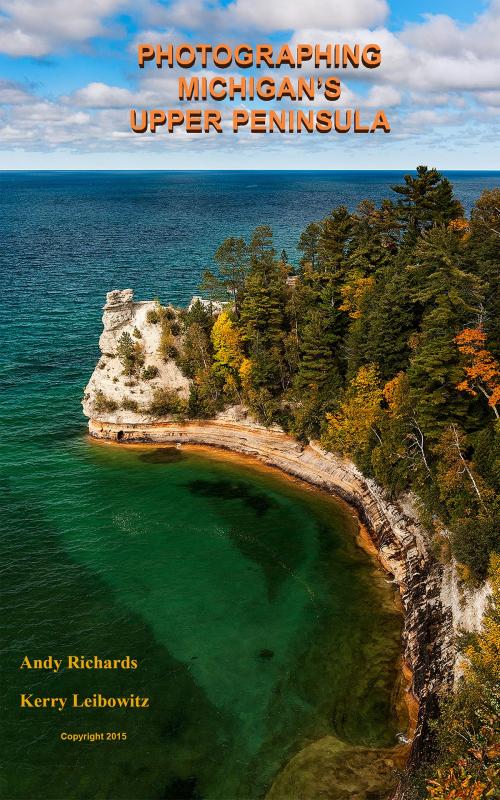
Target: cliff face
(122, 315)
(428, 590)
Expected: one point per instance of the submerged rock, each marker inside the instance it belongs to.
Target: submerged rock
(332, 770)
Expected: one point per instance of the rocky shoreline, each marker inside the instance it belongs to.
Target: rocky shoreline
(435, 604)
(402, 546)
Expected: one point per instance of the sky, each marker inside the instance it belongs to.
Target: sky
(69, 77)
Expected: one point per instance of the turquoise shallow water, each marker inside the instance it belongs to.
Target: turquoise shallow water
(258, 624)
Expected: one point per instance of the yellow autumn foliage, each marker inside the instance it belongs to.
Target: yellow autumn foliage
(245, 373)
(226, 341)
(395, 394)
(484, 655)
(349, 428)
(353, 295)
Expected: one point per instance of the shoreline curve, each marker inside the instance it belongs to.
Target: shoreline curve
(401, 545)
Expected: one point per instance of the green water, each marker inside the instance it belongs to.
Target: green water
(258, 624)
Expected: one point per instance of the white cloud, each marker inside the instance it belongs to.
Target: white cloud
(381, 97)
(38, 27)
(101, 95)
(289, 14)
(267, 15)
(435, 76)
(13, 93)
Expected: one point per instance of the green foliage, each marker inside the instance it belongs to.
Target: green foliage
(153, 317)
(150, 372)
(198, 315)
(130, 353)
(166, 403)
(425, 200)
(128, 404)
(308, 244)
(232, 261)
(350, 428)
(263, 315)
(103, 404)
(333, 242)
(167, 348)
(377, 347)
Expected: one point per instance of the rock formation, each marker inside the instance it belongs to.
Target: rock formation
(123, 315)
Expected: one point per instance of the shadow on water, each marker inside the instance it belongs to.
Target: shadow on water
(163, 455)
(268, 544)
(54, 606)
(182, 789)
(232, 490)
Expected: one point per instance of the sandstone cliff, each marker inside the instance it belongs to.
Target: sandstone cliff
(122, 315)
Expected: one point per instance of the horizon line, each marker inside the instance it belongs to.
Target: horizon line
(263, 169)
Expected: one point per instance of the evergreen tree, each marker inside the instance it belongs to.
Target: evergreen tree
(425, 200)
(448, 296)
(318, 381)
(374, 238)
(308, 244)
(263, 313)
(232, 260)
(390, 318)
(333, 242)
(482, 258)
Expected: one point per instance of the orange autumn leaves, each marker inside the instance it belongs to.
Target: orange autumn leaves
(351, 425)
(481, 368)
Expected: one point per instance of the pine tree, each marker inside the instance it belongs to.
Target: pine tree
(425, 200)
(373, 244)
(387, 318)
(333, 242)
(232, 260)
(308, 244)
(482, 258)
(263, 313)
(448, 296)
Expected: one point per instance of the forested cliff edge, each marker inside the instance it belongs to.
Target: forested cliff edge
(383, 345)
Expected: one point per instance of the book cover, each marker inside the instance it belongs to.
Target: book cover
(249, 279)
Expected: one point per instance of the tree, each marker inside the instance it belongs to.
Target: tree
(196, 352)
(228, 352)
(308, 244)
(425, 200)
(350, 428)
(333, 241)
(389, 319)
(263, 314)
(212, 286)
(373, 244)
(130, 353)
(481, 369)
(482, 255)
(447, 296)
(317, 357)
(232, 260)
(485, 215)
